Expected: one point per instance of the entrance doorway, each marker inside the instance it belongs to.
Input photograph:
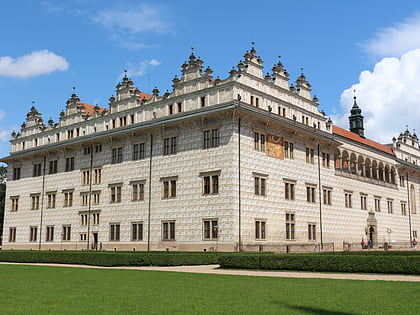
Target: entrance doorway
(95, 240)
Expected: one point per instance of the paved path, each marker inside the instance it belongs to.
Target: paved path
(214, 269)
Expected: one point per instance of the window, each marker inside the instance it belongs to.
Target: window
(326, 196)
(210, 184)
(116, 194)
(138, 191)
(117, 155)
(347, 199)
(310, 194)
(414, 233)
(309, 155)
(138, 151)
(171, 109)
(95, 198)
(70, 134)
(66, 232)
(403, 208)
(114, 123)
(70, 164)
(389, 204)
(85, 177)
(95, 218)
(57, 137)
(12, 234)
(259, 185)
(203, 101)
(68, 199)
(84, 219)
(87, 151)
(51, 198)
(311, 232)
(83, 236)
(325, 159)
(211, 138)
(363, 202)
(402, 181)
(36, 170)
(210, 229)
(98, 148)
(137, 231)
(85, 198)
(50, 234)
(168, 230)
(290, 226)
(259, 230)
(179, 105)
(169, 188)
(16, 173)
(169, 146)
(259, 141)
(377, 204)
(288, 149)
(15, 203)
(33, 232)
(97, 173)
(123, 121)
(53, 167)
(289, 191)
(35, 202)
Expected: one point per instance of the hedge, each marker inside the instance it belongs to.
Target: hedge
(390, 264)
(109, 259)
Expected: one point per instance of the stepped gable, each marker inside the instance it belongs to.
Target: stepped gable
(367, 142)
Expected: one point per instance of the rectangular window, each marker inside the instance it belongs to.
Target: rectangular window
(363, 202)
(325, 159)
(290, 226)
(259, 230)
(403, 208)
(85, 177)
(168, 230)
(114, 232)
(33, 233)
(310, 194)
(169, 146)
(16, 173)
(36, 170)
(85, 198)
(68, 199)
(70, 134)
(169, 189)
(377, 204)
(70, 164)
(12, 234)
(84, 219)
(211, 138)
(309, 155)
(210, 184)
(35, 202)
(203, 101)
(347, 199)
(15, 203)
(259, 141)
(95, 218)
(138, 151)
(137, 231)
(98, 148)
(87, 151)
(66, 233)
(179, 106)
(117, 155)
(171, 109)
(210, 229)
(123, 121)
(95, 197)
(311, 232)
(414, 233)
(49, 237)
(138, 191)
(83, 237)
(260, 185)
(288, 149)
(97, 173)
(53, 167)
(289, 191)
(116, 194)
(390, 206)
(51, 198)
(326, 196)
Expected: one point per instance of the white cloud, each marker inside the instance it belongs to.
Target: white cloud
(140, 69)
(34, 64)
(2, 114)
(5, 135)
(389, 97)
(396, 40)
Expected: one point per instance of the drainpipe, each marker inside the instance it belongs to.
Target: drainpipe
(150, 192)
(320, 198)
(239, 185)
(90, 196)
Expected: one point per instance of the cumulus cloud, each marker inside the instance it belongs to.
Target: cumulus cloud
(396, 40)
(141, 68)
(34, 64)
(388, 96)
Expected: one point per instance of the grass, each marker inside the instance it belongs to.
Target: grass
(64, 290)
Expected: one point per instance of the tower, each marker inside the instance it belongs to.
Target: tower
(356, 120)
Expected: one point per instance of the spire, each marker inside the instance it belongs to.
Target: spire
(356, 119)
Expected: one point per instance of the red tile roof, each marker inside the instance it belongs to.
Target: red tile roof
(89, 109)
(355, 137)
(144, 96)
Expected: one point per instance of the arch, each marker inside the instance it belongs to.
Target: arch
(352, 163)
(392, 175)
(345, 161)
(368, 173)
(413, 199)
(381, 171)
(360, 165)
(337, 159)
(387, 175)
(374, 169)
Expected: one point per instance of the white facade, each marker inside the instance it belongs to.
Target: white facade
(214, 165)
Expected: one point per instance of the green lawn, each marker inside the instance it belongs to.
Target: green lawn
(63, 290)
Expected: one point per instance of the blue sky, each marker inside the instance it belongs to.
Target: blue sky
(47, 47)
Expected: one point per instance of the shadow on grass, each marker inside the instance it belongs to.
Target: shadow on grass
(317, 311)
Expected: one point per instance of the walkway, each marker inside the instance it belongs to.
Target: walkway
(214, 269)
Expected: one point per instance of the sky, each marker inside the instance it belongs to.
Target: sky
(370, 49)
